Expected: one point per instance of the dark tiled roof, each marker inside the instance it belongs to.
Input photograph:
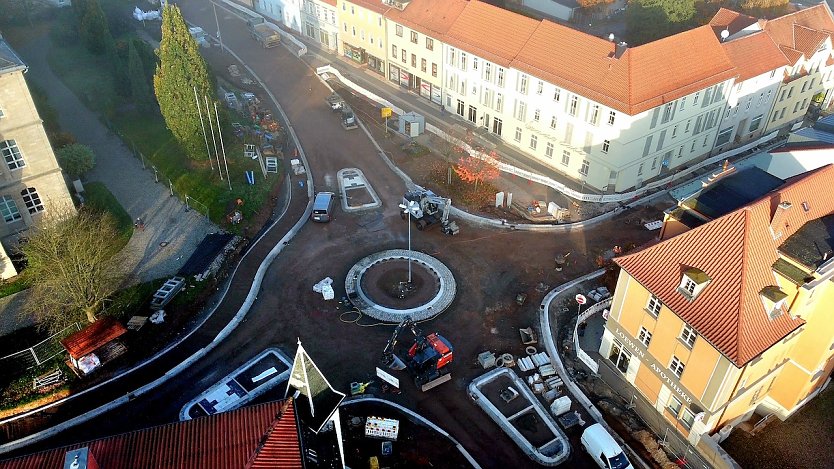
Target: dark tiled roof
(9, 61)
(813, 244)
(734, 191)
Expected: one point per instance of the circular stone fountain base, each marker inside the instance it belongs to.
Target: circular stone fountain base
(378, 286)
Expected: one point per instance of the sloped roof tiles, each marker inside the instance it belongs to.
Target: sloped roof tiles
(737, 252)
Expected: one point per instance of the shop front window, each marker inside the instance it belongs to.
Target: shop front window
(619, 357)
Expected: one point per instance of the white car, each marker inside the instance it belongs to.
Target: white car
(200, 36)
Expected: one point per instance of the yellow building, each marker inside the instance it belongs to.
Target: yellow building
(30, 179)
(362, 35)
(727, 320)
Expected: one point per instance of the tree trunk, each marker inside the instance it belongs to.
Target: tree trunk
(91, 314)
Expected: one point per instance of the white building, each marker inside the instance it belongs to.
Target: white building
(285, 12)
(319, 22)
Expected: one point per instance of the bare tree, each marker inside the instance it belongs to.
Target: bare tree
(71, 265)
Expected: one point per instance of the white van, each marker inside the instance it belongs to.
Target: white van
(603, 449)
(323, 207)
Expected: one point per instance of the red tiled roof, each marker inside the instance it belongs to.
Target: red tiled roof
(754, 55)
(225, 440)
(802, 30)
(490, 32)
(281, 447)
(737, 252)
(730, 20)
(642, 78)
(431, 17)
(373, 5)
(93, 336)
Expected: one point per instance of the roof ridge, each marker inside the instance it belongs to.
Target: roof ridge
(740, 320)
(285, 410)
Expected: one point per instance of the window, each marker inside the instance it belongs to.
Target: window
(540, 87)
(429, 43)
(565, 157)
(521, 111)
(537, 114)
(523, 85)
(434, 70)
(9, 209)
(695, 100)
(574, 102)
(460, 108)
(345, 27)
(423, 65)
(755, 123)
(688, 124)
(688, 286)
(606, 144)
(557, 95)
(674, 406)
(654, 305)
(500, 76)
(619, 356)
(553, 122)
(518, 134)
(11, 153)
(394, 50)
(463, 61)
(687, 418)
(676, 366)
(611, 117)
(404, 55)
(32, 200)
(688, 335)
(583, 170)
(399, 30)
(413, 60)
(352, 11)
(414, 37)
(594, 114)
(534, 142)
(497, 125)
(548, 150)
(644, 336)
(640, 170)
(499, 102)
(724, 136)
(683, 103)
(667, 113)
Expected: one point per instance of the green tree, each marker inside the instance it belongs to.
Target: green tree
(138, 83)
(76, 159)
(649, 20)
(72, 266)
(181, 69)
(93, 27)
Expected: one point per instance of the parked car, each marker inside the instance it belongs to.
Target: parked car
(603, 449)
(323, 207)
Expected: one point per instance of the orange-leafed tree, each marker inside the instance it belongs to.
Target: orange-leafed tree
(477, 167)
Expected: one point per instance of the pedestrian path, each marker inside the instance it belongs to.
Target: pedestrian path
(171, 233)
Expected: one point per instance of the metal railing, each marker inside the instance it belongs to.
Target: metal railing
(17, 363)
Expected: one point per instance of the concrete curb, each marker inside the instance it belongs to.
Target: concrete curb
(429, 423)
(238, 318)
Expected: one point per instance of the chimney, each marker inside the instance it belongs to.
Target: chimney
(80, 458)
(620, 49)
(777, 223)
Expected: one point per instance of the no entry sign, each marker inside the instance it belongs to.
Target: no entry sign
(580, 299)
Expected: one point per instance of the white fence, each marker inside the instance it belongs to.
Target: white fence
(584, 357)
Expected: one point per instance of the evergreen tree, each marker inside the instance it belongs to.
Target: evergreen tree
(181, 68)
(138, 84)
(93, 26)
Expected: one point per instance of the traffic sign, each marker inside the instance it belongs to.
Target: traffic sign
(580, 299)
(386, 112)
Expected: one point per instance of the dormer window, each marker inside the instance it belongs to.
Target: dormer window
(693, 282)
(773, 299)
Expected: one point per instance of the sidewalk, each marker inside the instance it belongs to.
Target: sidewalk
(171, 234)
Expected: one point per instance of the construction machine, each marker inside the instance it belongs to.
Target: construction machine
(428, 357)
(428, 209)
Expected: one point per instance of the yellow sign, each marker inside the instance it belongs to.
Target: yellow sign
(386, 112)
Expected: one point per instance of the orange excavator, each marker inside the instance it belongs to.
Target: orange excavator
(428, 357)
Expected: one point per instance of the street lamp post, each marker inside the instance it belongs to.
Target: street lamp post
(409, 208)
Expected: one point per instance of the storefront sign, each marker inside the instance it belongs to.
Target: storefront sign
(646, 358)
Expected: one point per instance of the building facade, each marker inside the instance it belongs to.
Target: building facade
(319, 22)
(363, 33)
(415, 48)
(286, 12)
(725, 322)
(30, 179)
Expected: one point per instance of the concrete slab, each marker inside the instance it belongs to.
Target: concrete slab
(357, 194)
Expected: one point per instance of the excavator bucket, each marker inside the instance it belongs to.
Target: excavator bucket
(395, 363)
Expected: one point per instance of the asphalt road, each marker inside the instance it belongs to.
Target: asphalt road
(489, 266)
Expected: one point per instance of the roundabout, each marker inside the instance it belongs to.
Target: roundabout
(392, 285)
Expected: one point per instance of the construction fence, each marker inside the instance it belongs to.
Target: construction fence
(18, 363)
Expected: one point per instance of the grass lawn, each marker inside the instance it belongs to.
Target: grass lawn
(99, 198)
(89, 77)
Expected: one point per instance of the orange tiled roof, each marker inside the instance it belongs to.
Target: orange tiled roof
(642, 78)
(754, 55)
(737, 252)
(373, 5)
(730, 20)
(329, 2)
(432, 17)
(802, 30)
(492, 33)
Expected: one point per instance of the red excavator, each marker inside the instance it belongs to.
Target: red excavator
(428, 358)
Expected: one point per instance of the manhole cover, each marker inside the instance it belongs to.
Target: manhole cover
(163, 244)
